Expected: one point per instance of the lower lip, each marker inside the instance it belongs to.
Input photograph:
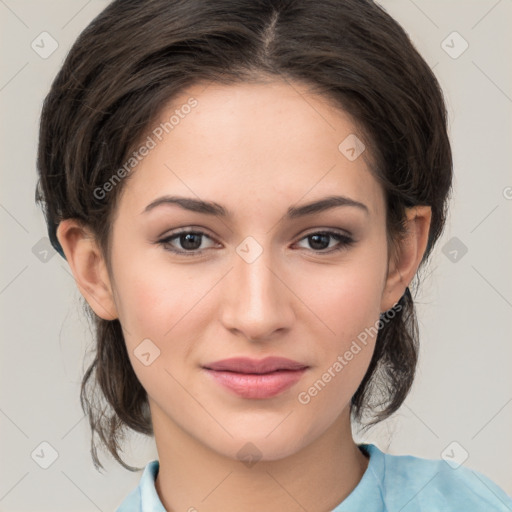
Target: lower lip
(252, 385)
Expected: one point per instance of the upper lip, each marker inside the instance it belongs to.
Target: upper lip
(247, 365)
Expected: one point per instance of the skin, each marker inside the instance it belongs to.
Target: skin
(256, 149)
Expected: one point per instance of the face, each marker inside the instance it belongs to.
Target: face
(257, 281)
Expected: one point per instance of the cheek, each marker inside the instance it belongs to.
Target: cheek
(150, 315)
(342, 358)
(168, 306)
(148, 307)
(345, 298)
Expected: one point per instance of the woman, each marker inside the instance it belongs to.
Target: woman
(244, 191)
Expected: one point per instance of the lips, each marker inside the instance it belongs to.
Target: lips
(246, 365)
(256, 379)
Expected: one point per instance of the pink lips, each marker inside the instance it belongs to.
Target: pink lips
(252, 378)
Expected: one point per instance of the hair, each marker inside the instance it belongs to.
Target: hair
(136, 56)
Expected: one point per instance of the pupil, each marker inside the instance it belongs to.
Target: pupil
(325, 241)
(188, 239)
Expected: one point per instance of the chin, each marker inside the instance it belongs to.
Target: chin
(262, 446)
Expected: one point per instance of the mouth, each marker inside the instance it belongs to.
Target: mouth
(256, 379)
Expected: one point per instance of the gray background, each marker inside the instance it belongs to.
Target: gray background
(461, 403)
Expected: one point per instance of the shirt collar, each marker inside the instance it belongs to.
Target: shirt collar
(149, 498)
(367, 495)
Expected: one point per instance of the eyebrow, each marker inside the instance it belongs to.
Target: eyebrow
(293, 212)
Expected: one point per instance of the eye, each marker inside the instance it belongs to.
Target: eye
(190, 241)
(320, 241)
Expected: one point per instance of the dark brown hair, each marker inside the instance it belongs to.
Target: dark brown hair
(137, 55)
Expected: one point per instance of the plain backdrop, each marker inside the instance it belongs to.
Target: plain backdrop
(461, 402)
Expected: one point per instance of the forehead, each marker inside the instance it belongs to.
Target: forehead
(263, 142)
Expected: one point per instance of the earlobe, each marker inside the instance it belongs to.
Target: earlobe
(88, 267)
(407, 256)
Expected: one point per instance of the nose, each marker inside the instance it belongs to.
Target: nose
(257, 301)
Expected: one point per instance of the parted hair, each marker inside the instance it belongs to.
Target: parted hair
(137, 55)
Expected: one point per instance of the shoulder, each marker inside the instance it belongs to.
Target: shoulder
(410, 483)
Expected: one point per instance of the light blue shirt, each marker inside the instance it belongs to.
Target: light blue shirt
(391, 483)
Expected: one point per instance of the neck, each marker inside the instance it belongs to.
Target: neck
(192, 477)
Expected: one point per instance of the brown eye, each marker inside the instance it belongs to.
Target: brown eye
(189, 241)
(321, 240)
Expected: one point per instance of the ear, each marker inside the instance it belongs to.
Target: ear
(88, 267)
(406, 257)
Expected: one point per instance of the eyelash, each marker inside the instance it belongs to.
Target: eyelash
(345, 242)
